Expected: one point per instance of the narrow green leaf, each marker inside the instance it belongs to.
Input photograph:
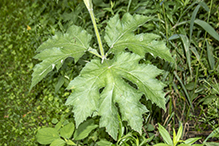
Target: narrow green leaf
(215, 89)
(204, 5)
(207, 28)
(211, 144)
(186, 45)
(94, 51)
(103, 142)
(84, 129)
(58, 142)
(187, 10)
(199, 145)
(145, 141)
(70, 142)
(195, 52)
(194, 13)
(184, 144)
(173, 37)
(129, 4)
(54, 51)
(67, 130)
(165, 135)
(59, 124)
(210, 55)
(112, 76)
(162, 144)
(191, 140)
(120, 35)
(121, 128)
(47, 135)
(59, 84)
(174, 137)
(184, 89)
(179, 133)
(213, 134)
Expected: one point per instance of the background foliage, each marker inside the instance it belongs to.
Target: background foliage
(192, 91)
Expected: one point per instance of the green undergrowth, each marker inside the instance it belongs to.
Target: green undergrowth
(22, 113)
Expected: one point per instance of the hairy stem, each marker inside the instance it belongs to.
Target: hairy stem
(89, 6)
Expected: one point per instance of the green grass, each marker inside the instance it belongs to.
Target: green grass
(21, 112)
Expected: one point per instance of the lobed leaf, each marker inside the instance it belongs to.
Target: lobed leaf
(61, 46)
(120, 35)
(76, 39)
(117, 28)
(111, 77)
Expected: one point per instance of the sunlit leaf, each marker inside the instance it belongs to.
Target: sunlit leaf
(67, 130)
(207, 28)
(104, 143)
(120, 35)
(165, 135)
(58, 142)
(191, 140)
(61, 46)
(47, 135)
(112, 76)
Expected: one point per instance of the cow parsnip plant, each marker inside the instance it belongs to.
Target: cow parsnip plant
(102, 87)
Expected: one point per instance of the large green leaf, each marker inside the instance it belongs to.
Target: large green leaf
(114, 77)
(47, 135)
(120, 35)
(54, 51)
(67, 130)
(76, 39)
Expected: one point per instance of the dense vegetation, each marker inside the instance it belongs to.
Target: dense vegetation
(189, 28)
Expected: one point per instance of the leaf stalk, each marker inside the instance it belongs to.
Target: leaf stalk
(89, 6)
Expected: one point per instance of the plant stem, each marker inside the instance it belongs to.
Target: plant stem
(89, 6)
(166, 25)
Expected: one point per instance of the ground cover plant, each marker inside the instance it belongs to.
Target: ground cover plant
(189, 30)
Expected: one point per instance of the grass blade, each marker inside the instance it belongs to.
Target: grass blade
(204, 5)
(184, 88)
(179, 133)
(213, 134)
(165, 135)
(194, 13)
(210, 55)
(186, 45)
(195, 52)
(207, 28)
(130, 1)
(186, 10)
